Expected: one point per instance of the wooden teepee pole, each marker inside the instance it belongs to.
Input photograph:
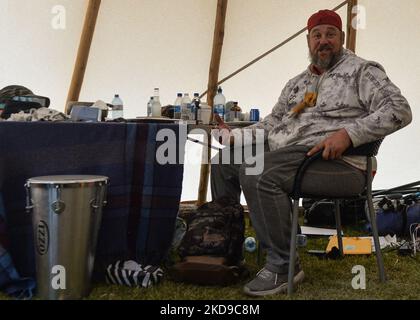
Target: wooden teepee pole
(83, 52)
(219, 33)
(351, 32)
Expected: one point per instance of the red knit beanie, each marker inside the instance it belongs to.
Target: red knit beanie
(325, 17)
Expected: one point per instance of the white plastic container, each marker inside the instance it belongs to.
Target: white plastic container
(204, 113)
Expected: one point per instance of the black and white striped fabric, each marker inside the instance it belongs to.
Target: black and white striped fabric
(132, 274)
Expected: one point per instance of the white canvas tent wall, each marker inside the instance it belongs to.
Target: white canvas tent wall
(213, 82)
(142, 44)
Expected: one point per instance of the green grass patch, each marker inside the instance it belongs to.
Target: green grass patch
(325, 280)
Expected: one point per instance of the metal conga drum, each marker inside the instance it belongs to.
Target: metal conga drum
(66, 216)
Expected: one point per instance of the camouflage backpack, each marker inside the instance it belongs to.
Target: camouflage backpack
(211, 250)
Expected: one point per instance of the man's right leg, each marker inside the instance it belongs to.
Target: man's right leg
(269, 207)
(225, 176)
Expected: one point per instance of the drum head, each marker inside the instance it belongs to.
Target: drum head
(67, 179)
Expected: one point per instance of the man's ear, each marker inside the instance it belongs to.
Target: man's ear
(343, 36)
(307, 39)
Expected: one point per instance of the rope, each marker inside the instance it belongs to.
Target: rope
(269, 51)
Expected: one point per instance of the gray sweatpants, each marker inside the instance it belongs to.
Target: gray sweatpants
(267, 193)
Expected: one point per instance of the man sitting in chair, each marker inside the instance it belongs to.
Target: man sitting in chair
(340, 101)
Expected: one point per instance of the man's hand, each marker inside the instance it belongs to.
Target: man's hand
(224, 131)
(333, 146)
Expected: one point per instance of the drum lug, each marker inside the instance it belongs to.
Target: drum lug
(58, 206)
(29, 206)
(94, 205)
(105, 202)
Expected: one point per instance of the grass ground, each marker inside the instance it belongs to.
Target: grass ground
(325, 280)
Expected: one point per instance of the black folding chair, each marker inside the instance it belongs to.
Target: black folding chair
(369, 150)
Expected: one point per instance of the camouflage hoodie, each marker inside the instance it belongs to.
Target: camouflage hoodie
(354, 94)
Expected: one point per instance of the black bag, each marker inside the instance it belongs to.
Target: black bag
(211, 250)
(321, 213)
(15, 98)
(397, 219)
(24, 103)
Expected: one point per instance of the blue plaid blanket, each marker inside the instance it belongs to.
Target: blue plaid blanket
(143, 196)
(10, 281)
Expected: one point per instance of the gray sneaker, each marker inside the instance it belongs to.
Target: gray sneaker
(267, 282)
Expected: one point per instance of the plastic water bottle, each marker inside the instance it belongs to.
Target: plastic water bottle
(301, 240)
(185, 107)
(194, 106)
(177, 106)
(149, 107)
(117, 107)
(219, 103)
(156, 106)
(250, 244)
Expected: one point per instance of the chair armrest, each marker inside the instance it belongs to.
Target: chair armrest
(307, 161)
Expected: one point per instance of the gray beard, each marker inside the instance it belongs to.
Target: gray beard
(325, 64)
